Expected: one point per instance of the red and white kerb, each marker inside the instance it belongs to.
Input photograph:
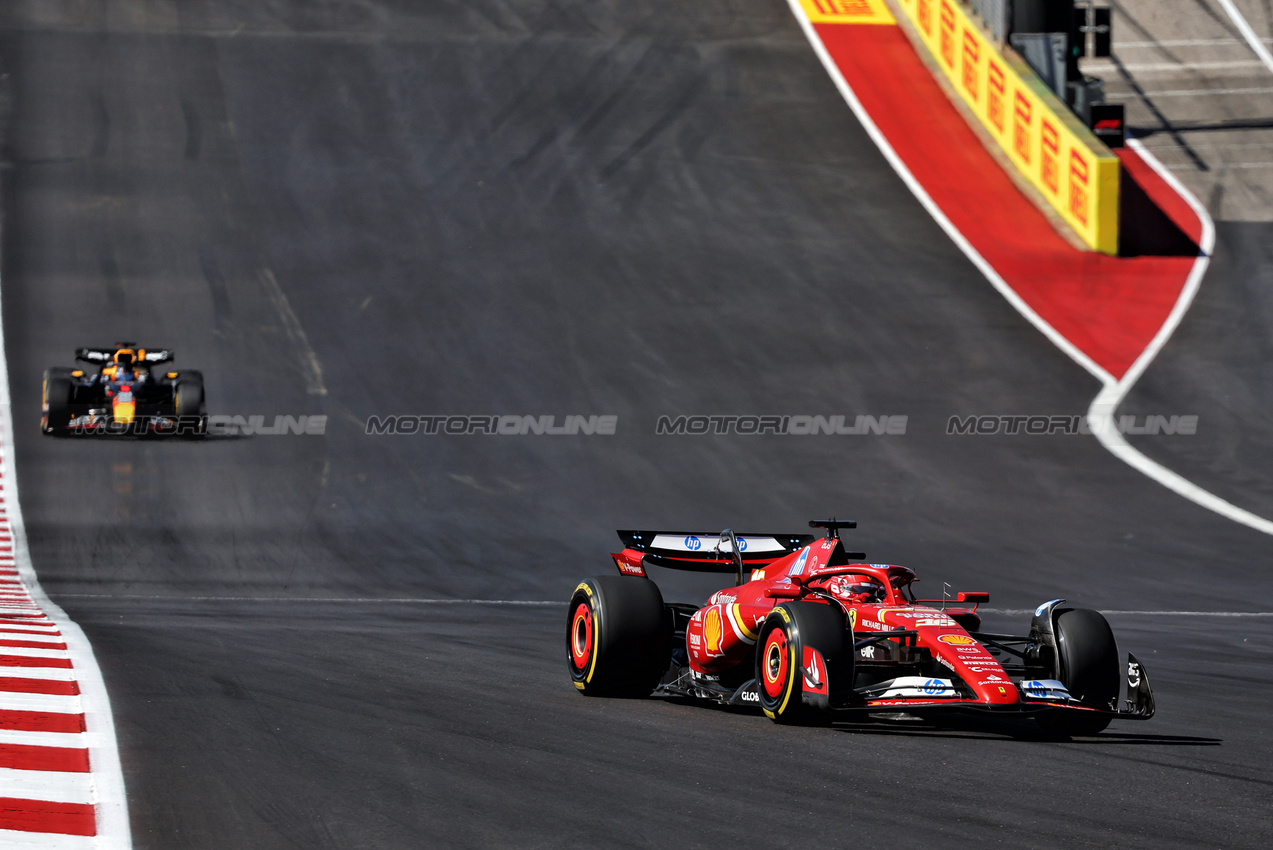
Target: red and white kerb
(60, 783)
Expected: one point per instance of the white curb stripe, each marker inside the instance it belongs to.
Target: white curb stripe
(54, 703)
(31, 637)
(58, 674)
(12, 840)
(75, 740)
(33, 653)
(46, 785)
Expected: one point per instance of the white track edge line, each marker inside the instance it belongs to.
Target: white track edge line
(1252, 40)
(355, 600)
(1100, 415)
(1111, 388)
(1111, 612)
(549, 603)
(113, 831)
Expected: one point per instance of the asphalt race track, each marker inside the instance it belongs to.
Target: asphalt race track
(553, 207)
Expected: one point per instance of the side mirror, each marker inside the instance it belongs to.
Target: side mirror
(974, 598)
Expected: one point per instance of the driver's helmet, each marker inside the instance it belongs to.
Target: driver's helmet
(123, 365)
(859, 588)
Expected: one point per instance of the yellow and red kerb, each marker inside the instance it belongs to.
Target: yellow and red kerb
(847, 12)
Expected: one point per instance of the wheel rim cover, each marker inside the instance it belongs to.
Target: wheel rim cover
(774, 663)
(581, 637)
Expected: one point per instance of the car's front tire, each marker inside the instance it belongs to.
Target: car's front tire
(55, 405)
(618, 636)
(780, 673)
(1089, 668)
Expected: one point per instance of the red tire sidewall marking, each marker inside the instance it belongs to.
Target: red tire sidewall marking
(581, 637)
(774, 677)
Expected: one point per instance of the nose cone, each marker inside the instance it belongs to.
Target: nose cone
(1001, 693)
(125, 411)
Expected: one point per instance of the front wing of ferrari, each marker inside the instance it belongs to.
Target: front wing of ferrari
(934, 696)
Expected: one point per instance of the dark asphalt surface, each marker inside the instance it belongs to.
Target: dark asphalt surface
(552, 208)
(1219, 367)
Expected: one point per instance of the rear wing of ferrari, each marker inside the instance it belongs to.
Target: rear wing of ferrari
(710, 551)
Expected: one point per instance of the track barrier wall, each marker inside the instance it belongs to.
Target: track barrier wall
(1074, 173)
(848, 12)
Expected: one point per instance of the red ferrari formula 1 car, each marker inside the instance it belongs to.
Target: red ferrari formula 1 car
(808, 635)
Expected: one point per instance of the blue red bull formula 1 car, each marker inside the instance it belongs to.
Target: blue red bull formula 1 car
(808, 634)
(125, 390)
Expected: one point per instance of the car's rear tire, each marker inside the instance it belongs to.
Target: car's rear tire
(1089, 668)
(780, 676)
(189, 403)
(618, 636)
(55, 406)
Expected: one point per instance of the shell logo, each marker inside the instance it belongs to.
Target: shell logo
(957, 640)
(712, 630)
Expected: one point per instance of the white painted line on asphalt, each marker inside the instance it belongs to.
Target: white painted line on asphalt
(546, 603)
(1193, 613)
(1231, 64)
(1111, 612)
(1105, 405)
(53, 786)
(1187, 93)
(1255, 42)
(1162, 145)
(311, 366)
(1223, 166)
(355, 600)
(1182, 42)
